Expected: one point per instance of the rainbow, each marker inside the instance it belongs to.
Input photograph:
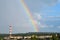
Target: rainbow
(29, 15)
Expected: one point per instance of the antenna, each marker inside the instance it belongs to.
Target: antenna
(10, 31)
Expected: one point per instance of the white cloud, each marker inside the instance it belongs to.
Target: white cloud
(37, 17)
(46, 26)
(43, 26)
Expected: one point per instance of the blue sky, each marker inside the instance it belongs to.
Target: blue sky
(46, 14)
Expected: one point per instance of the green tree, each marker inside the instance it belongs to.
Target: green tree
(1, 38)
(54, 37)
(33, 37)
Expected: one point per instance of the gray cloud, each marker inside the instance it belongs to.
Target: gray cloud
(12, 13)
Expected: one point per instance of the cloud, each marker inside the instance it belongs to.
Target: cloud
(37, 5)
(43, 26)
(58, 1)
(37, 16)
(51, 26)
(53, 16)
(50, 2)
(38, 20)
(46, 26)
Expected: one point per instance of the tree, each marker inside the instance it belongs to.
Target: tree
(33, 37)
(54, 37)
(1, 38)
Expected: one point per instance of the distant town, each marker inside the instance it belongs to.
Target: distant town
(31, 36)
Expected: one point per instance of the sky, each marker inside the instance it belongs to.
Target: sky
(46, 14)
